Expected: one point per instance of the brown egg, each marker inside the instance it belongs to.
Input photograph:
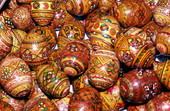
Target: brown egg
(139, 86)
(15, 76)
(159, 103)
(5, 43)
(103, 69)
(53, 81)
(133, 51)
(130, 13)
(81, 7)
(111, 98)
(162, 70)
(61, 15)
(87, 97)
(73, 30)
(42, 11)
(74, 59)
(34, 50)
(21, 18)
(163, 41)
(4, 106)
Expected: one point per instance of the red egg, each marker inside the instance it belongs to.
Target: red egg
(139, 86)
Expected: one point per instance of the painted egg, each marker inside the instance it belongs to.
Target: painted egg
(5, 23)
(70, 31)
(5, 43)
(34, 50)
(133, 51)
(103, 69)
(111, 98)
(81, 7)
(42, 11)
(75, 58)
(48, 33)
(39, 104)
(17, 104)
(104, 29)
(161, 13)
(130, 14)
(92, 17)
(54, 57)
(163, 41)
(63, 103)
(52, 81)
(90, 96)
(4, 106)
(13, 4)
(151, 3)
(25, 1)
(18, 36)
(162, 70)
(15, 76)
(151, 30)
(21, 18)
(105, 5)
(159, 103)
(139, 86)
(137, 108)
(61, 16)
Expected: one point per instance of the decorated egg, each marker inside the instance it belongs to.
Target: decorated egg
(5, 22)
(161, 13)
(15, 76)
(130, 14)
(63, 103)
(4, 106)
(21, 18)
(52, 81)
(81, 7)
(151, 30)
(70, 31)
(139, 86)
(151, 3)
(87, 97)
(104, 29)
(133, 51)
(75, 58)
(163, 41)
(159, 103)
(103, 69)
(42, 11)
(13, 4)
(137, 108)
(111, 98)
(162, 71)
(92, 17)
(105, 5)
(17, 104)
(25, 1)
(5, 43)
(81, 82)
(54, 57)
(34, 50)
(39, 104)
(61, 15)
(48, 33)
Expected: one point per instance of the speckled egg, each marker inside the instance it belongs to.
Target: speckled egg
(34, 50)
(5, 43)
(162, 70)
(133, 51)
(15, 76)
(103, 69)
(61, 15)
(130, 13)
(21, 18)
(139, 86)
(161, 13)
(90, 96)
(159, 103)
(52, 81)
(4, 106)
(74, 59)
(163, 41)
(81, 7)
(70, 31)
(42, 11)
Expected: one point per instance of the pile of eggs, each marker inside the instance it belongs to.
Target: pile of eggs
(85, 55)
